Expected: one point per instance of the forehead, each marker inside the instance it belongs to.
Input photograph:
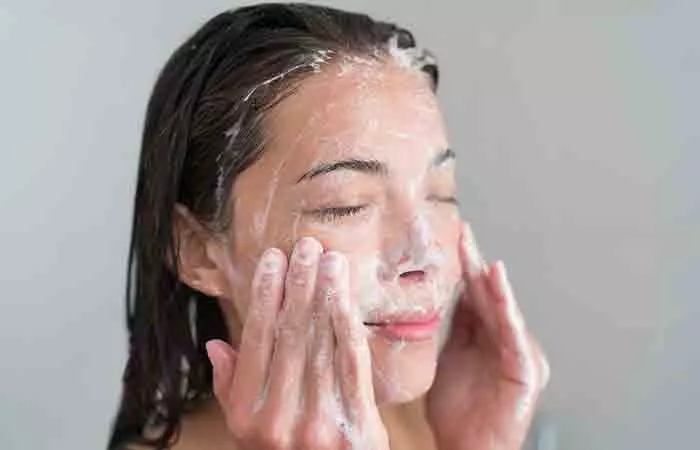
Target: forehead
(356, 108)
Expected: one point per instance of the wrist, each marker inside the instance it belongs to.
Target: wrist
(479, 439)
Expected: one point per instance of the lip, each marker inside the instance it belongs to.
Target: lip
(413, 328)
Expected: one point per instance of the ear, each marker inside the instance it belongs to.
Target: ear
(201, 262)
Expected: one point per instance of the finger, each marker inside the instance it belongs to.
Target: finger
(511, 324)
(514, 339)
(464, 325)
(353, 357)
(319, 428)
(222, 358)
(320, 376)
(289, 354)
(475, 275)
(257, 337)
(473, 263)
(545, 371)
(521, 363)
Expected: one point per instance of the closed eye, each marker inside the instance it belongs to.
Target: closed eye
(335, 213)
(441, 199)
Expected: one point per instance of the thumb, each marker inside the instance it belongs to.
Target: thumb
(223, 360)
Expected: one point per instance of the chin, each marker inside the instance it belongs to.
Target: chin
(402, 370)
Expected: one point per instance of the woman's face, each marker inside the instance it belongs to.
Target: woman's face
(357, 157)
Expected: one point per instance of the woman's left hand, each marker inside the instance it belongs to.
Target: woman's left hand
(491, 371)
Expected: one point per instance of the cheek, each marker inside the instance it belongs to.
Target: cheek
(241, 274)
(351, 236)
(447, 226)
(359, 242)
(252, 234)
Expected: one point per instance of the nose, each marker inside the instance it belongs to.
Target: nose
(407, 243)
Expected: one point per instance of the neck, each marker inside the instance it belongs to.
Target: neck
(406, 425)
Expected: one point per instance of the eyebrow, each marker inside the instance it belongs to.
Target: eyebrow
(443, 156)
(368, 166)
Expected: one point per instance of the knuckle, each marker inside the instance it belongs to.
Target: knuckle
(329, 291)
(357, 342)
(301, 274)
(300, 277)
(287, 333)
(356, 352)
(241, 427)
(274, 434)
(267, 284)
(351, 364)
(316, 434)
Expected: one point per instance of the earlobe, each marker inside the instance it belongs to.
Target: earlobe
(198, 256)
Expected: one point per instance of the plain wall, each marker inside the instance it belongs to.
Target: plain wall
(577, 128)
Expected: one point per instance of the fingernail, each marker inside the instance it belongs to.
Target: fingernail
(504, 274)
(222, 361)
(271, 259)
(504, 282)
(214, 353)
(331, 264)
(306, 249)
(475, 262)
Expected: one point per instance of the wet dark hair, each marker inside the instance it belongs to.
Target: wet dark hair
(203, 127)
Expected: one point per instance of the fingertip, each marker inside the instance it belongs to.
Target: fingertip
(464, 238)
(333, 263)
(546, 371)
(473, 262)
(273, 259)
(500, 266)
(495, 274)
(271, 266)
(466, 230)
(220, 357)
(307, 250)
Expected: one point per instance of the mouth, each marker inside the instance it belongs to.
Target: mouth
(412, 276)
(408, 327)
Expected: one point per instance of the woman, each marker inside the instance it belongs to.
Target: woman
(299, 273)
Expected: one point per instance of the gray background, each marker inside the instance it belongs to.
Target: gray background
(577, 127)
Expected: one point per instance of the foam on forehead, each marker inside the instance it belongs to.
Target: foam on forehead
(365, 74)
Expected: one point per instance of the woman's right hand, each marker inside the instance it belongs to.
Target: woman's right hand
(302, 377)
